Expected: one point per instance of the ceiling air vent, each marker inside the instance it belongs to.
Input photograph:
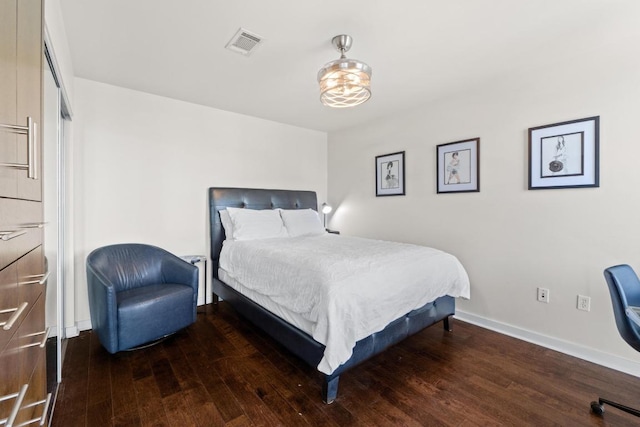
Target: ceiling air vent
(244, 42)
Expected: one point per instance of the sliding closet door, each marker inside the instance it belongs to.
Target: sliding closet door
(58, 249)
(51, 160)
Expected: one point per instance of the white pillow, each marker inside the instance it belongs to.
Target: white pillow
(225, 219)
(250, 224)
(301, 222)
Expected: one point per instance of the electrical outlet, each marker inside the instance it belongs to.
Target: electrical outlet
(543, 295)
(584, 303)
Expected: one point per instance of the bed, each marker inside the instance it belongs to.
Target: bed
(293, 335)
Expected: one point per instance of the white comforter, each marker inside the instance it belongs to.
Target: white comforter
(348, 287)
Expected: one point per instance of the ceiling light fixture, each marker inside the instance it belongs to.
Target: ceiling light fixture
(344, 82)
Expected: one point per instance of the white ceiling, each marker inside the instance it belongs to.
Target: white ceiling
(420, 50)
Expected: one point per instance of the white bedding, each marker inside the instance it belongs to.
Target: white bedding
(346, 287)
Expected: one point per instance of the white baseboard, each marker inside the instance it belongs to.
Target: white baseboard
(71, 331)
(84, 325)
(74, 331)
(594, 356)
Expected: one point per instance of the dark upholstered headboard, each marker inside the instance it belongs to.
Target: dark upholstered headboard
(251, 198)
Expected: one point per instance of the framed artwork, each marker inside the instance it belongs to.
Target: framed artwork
(565, 155)
(390, 174)
(458, 168)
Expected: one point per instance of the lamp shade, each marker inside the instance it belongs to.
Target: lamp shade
(326, 208)
(344, 82)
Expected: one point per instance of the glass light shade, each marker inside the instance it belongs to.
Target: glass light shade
(344, 83)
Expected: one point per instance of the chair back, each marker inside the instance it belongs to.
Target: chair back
(624, 287)
(128, 265)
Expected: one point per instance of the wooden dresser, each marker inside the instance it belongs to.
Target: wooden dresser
(23, 399)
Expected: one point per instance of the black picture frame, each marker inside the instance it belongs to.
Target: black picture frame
(565, 154)
(390, 174)
(458, 166)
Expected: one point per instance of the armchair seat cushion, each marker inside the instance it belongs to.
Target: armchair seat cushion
(151, 312)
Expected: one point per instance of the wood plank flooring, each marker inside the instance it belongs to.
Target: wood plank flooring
(222, 371)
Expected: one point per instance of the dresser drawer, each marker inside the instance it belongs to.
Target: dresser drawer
(23, 361)
(33, 364)
(32, 336)
(30, 404)
(31, 276)
(21, 284)
(11, 380)
(20, 228)
(35, 404)
(9, 303)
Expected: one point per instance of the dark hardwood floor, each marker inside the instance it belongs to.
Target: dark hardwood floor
(222, 371)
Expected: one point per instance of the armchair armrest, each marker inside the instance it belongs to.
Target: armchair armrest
(104, 312)
(176, 270)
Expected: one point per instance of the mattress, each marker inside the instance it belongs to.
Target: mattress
(290, 317)
(340, 289)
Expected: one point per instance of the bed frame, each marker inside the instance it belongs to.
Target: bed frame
(295, 340)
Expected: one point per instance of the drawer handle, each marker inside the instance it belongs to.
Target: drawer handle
(16, 405)
(42, 342)
(31, 130)
(16, 314)
(42, 418)
(8, 235)
(22, 229)
(45, 337)
(47, 402)
(43, 278)
(10, 396)
(33, 225)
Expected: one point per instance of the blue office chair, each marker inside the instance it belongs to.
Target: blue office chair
(624, 287)
(138, 294)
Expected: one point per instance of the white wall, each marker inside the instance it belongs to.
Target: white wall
(144, 163)
(512, 240)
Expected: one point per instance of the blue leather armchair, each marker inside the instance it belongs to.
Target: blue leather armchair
(139, 293)
(624, 287)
